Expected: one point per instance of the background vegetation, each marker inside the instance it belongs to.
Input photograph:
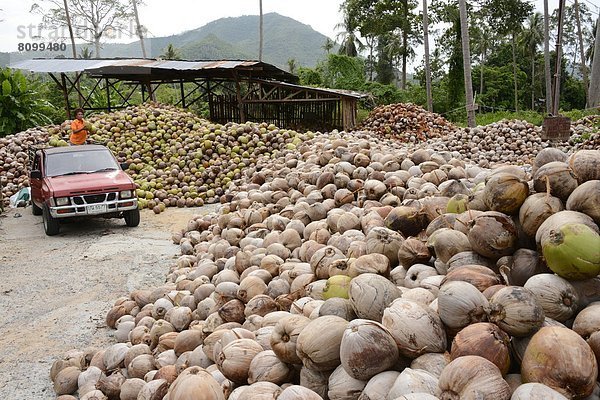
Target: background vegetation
(377, 40)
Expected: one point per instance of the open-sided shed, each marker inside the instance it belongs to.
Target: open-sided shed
(236, 91)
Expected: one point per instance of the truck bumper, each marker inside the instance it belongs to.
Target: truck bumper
(109, 207)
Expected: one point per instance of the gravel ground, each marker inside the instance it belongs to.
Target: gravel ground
(56, 291)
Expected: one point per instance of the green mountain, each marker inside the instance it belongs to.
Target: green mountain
(226, 38)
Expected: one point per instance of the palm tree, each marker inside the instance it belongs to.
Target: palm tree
(171, 53)
(427, 66)
(396, 49)
(292, 65)
(482, 39)
(328, 45)
(464, 32)
(584, 70)
(594, 97)
(547, 74)
(350, 45)
(86, 53)
(532, 37)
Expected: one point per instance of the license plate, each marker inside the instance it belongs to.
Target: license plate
(97, 208)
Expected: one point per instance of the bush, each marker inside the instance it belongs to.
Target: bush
(21, 103)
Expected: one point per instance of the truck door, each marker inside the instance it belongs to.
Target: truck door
(36, 184)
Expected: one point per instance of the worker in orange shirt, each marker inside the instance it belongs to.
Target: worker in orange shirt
(79, 129)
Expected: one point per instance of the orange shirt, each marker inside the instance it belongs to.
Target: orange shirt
(79, 137)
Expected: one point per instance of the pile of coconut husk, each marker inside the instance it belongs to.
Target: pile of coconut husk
(406, 122)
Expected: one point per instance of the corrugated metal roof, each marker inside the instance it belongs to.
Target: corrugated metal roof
(137, 66)
(341, 92)
(57, 65)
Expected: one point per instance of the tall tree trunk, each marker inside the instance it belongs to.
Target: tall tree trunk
(260, 34)
(404, 62)
(483, 51)
(533, 80)
(594, 98)
(97, 46)
(556, 98)
(464, 32)
(547, 72)
(427, 66)
(584, 70)
(139, 28)
(371, 63)
(68, 17)
(404, 42)
(514, 56)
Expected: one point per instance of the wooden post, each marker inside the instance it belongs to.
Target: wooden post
(107, 95)
(182, 93)
(65, 94)
(238, 91)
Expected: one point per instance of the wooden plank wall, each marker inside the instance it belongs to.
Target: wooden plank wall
(302, 115)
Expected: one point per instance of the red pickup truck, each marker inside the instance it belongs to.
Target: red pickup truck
(80, 181)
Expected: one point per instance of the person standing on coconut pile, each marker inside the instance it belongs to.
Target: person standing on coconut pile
(79, 129)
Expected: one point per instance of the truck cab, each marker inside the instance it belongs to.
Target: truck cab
(80, 181)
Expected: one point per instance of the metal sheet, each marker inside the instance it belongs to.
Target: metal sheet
(136, 66)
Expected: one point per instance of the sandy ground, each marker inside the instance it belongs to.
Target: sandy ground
(56, 291)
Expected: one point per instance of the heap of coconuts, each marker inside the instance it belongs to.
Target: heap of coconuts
(362, 271)
(406, 122)
(506, 141)
(174, 157)
(14, 160)
(178, 159)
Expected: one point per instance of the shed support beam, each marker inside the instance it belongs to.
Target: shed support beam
(238, 91)
(63, 79)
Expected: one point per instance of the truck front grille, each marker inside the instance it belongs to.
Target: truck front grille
(94, 198)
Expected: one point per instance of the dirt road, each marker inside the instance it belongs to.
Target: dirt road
(55, 291)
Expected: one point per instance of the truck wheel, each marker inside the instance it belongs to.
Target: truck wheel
(132, 217)
(51, 226)
(35, 210)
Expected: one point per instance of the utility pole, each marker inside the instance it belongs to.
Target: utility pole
(556, 100)
(427, 66)
(139, 28)
(464, 33)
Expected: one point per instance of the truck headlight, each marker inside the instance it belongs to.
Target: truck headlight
(62, 201)
(126, 194)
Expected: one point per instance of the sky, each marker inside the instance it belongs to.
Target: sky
(163, 18)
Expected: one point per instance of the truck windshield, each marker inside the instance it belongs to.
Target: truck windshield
(82, 162)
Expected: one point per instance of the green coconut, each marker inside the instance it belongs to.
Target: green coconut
(458, 204)
(337, 286)
(573, 251)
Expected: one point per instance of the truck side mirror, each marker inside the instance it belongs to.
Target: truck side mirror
(35, 174)
(124, 166)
